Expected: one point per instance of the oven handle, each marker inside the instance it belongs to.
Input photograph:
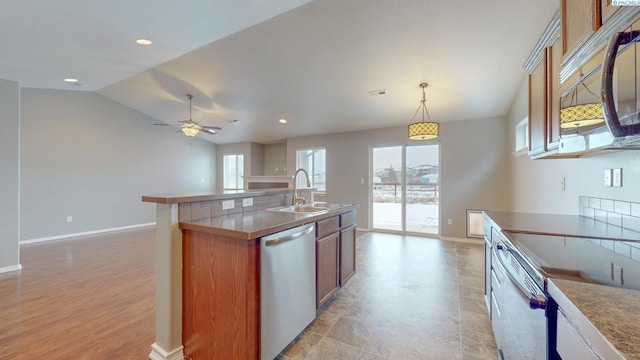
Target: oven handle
(608, 106)
(535, 301)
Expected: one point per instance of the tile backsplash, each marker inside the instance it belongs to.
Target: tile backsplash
(619, 213)
(205, 209)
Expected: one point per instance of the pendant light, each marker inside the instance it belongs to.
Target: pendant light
(424, 130)
(581, 115)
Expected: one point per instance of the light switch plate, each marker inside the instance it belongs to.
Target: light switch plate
(228, 204)
(607, 177)
(617, 177)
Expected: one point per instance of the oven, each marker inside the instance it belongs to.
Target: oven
(523, 318)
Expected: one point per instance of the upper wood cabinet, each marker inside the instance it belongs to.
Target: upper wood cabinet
(579, 20)
(538, 107)
(607, 9)
(554, 60)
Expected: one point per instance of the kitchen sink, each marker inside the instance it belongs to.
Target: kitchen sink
(301, 209)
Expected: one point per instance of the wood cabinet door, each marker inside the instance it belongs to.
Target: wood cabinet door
(347, 253)
(607, 9)
(326, 268)
(554, 54)
(538, 107)
(579, 20)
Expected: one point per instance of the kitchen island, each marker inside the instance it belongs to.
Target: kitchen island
(208, 269)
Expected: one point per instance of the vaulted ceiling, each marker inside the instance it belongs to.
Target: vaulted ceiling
(313, 63)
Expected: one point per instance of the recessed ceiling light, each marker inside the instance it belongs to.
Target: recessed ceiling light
(144, 42)
(71, 80)
(282, 121)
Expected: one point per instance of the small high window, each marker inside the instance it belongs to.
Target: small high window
(522, 137)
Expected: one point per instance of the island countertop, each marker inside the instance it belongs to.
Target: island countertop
(208, 196)
(255, 224)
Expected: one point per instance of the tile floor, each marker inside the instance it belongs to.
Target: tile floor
(411, 298)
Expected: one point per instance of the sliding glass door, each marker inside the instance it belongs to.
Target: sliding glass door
(405, 193)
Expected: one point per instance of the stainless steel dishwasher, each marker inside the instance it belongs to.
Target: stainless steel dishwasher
(287, 287)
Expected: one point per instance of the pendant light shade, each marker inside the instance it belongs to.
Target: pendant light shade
(424, 130)
(581, 115)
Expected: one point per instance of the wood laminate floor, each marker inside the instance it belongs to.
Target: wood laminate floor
(84, 298)
(93, 298)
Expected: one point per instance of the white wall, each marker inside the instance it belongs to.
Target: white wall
(88, 157)
(473, 167)
(536, 183)
(275, 159)
(10, 174)
(257, 159)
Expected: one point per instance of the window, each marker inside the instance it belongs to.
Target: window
(314, 161)
(233, 171)
(522, 137)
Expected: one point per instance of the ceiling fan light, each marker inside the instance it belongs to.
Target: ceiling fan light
(190, 131)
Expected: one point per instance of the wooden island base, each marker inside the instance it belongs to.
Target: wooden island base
(221, 305)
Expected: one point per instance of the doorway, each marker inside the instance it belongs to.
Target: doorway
(405, 191)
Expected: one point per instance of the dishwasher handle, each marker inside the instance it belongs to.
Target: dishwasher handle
(535, 301)
(284, 239)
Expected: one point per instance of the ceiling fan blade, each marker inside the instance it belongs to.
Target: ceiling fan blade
(210, 127)
(163, 124)
(208, 131)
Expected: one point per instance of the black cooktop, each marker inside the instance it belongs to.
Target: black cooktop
(607, 262)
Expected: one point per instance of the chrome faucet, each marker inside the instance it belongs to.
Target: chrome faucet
(296, 198)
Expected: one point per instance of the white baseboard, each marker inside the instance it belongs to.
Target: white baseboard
(93, 232)
(158, 353)
(464, 240)
(10, 268)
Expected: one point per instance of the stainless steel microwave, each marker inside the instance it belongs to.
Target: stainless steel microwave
(601, 111)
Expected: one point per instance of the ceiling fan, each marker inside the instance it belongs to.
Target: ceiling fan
(191, 128)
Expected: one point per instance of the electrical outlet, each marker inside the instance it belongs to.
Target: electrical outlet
(247, 202)
(228, 204)
(617, 177)
(449, 221)
(607, 177)
(69, 218)
(563, 184)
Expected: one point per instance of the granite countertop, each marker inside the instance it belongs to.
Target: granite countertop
(559, 225)
(255, 224)
(607, 317)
